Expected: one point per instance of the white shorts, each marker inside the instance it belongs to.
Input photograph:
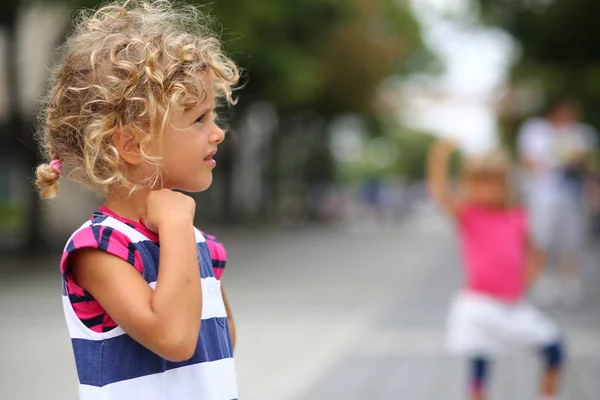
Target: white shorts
(479, 325)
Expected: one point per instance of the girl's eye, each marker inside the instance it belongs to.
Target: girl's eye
(201, 119)
(206, 117)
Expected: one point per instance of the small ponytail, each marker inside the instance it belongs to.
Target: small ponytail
(47, 176)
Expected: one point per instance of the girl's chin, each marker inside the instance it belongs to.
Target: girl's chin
(198, 187)
(201, 184)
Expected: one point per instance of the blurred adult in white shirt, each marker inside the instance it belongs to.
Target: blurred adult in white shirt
(554, 152)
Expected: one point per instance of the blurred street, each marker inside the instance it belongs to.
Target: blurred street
(322, 314)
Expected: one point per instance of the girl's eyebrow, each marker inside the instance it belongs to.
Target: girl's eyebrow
(204, 106)
(201, 109)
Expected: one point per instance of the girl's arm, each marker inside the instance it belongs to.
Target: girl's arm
(229, 317)
(534, 264)
(437, 176)
(165, 320)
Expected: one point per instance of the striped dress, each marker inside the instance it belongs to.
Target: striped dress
(113, 366)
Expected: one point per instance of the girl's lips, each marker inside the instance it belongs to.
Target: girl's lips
(210, 162)
(210, 155)
(209, 159)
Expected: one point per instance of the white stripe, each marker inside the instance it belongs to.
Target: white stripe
(199, 236)
(212, 307)
(133, 235)
(212, 299)
(207, 381)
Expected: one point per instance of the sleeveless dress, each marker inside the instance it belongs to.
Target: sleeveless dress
(113, 366)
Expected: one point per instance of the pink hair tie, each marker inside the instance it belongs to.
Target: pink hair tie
(56, 165)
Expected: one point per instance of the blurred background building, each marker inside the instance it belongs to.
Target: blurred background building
(340, 102)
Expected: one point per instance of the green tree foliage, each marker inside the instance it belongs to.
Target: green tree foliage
(324, 56)
(558, 46)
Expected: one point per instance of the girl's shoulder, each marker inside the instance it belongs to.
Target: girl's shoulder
(114, 235)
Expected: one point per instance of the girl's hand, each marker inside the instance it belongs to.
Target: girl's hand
(168, 207)
(449, 143)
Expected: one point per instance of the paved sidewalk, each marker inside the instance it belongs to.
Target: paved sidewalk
(402, 356)
(322, 314)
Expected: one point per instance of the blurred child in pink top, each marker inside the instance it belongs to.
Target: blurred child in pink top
(490, 312)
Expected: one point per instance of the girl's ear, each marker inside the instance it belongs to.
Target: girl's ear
(128, 146)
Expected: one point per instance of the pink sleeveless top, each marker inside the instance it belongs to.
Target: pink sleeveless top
(494, 250)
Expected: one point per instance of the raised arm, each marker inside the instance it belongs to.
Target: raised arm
(437, 176)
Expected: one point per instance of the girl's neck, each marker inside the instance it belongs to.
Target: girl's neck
(130, 206)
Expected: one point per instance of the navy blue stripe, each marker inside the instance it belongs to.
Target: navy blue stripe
(218, 263)
(74, 299)
(94, 321)
(71, 247)
(131, 253)
(105, 240)
(108, 328)
(123, 358)
(96, 231)
(205, 260)
(98, 217)
(150, 254)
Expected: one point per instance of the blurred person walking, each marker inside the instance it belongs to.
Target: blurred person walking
(554, 152)
(490, 313)
(131, 115)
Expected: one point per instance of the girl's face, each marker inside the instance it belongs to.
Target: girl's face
(189, 143)
(488, 189)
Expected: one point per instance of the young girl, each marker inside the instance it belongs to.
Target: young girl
(131, 115)
(490, 312)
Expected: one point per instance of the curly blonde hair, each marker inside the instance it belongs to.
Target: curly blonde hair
(129, 64)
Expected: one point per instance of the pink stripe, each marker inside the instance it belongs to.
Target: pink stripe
(85, 238)
(82, 239)
(108, 321)
(217, 250)
(72, 287)
(118, 245)
(63, 262)
(217, 253)
(88, 309)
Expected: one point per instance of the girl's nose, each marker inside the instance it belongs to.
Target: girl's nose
(217, 135)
